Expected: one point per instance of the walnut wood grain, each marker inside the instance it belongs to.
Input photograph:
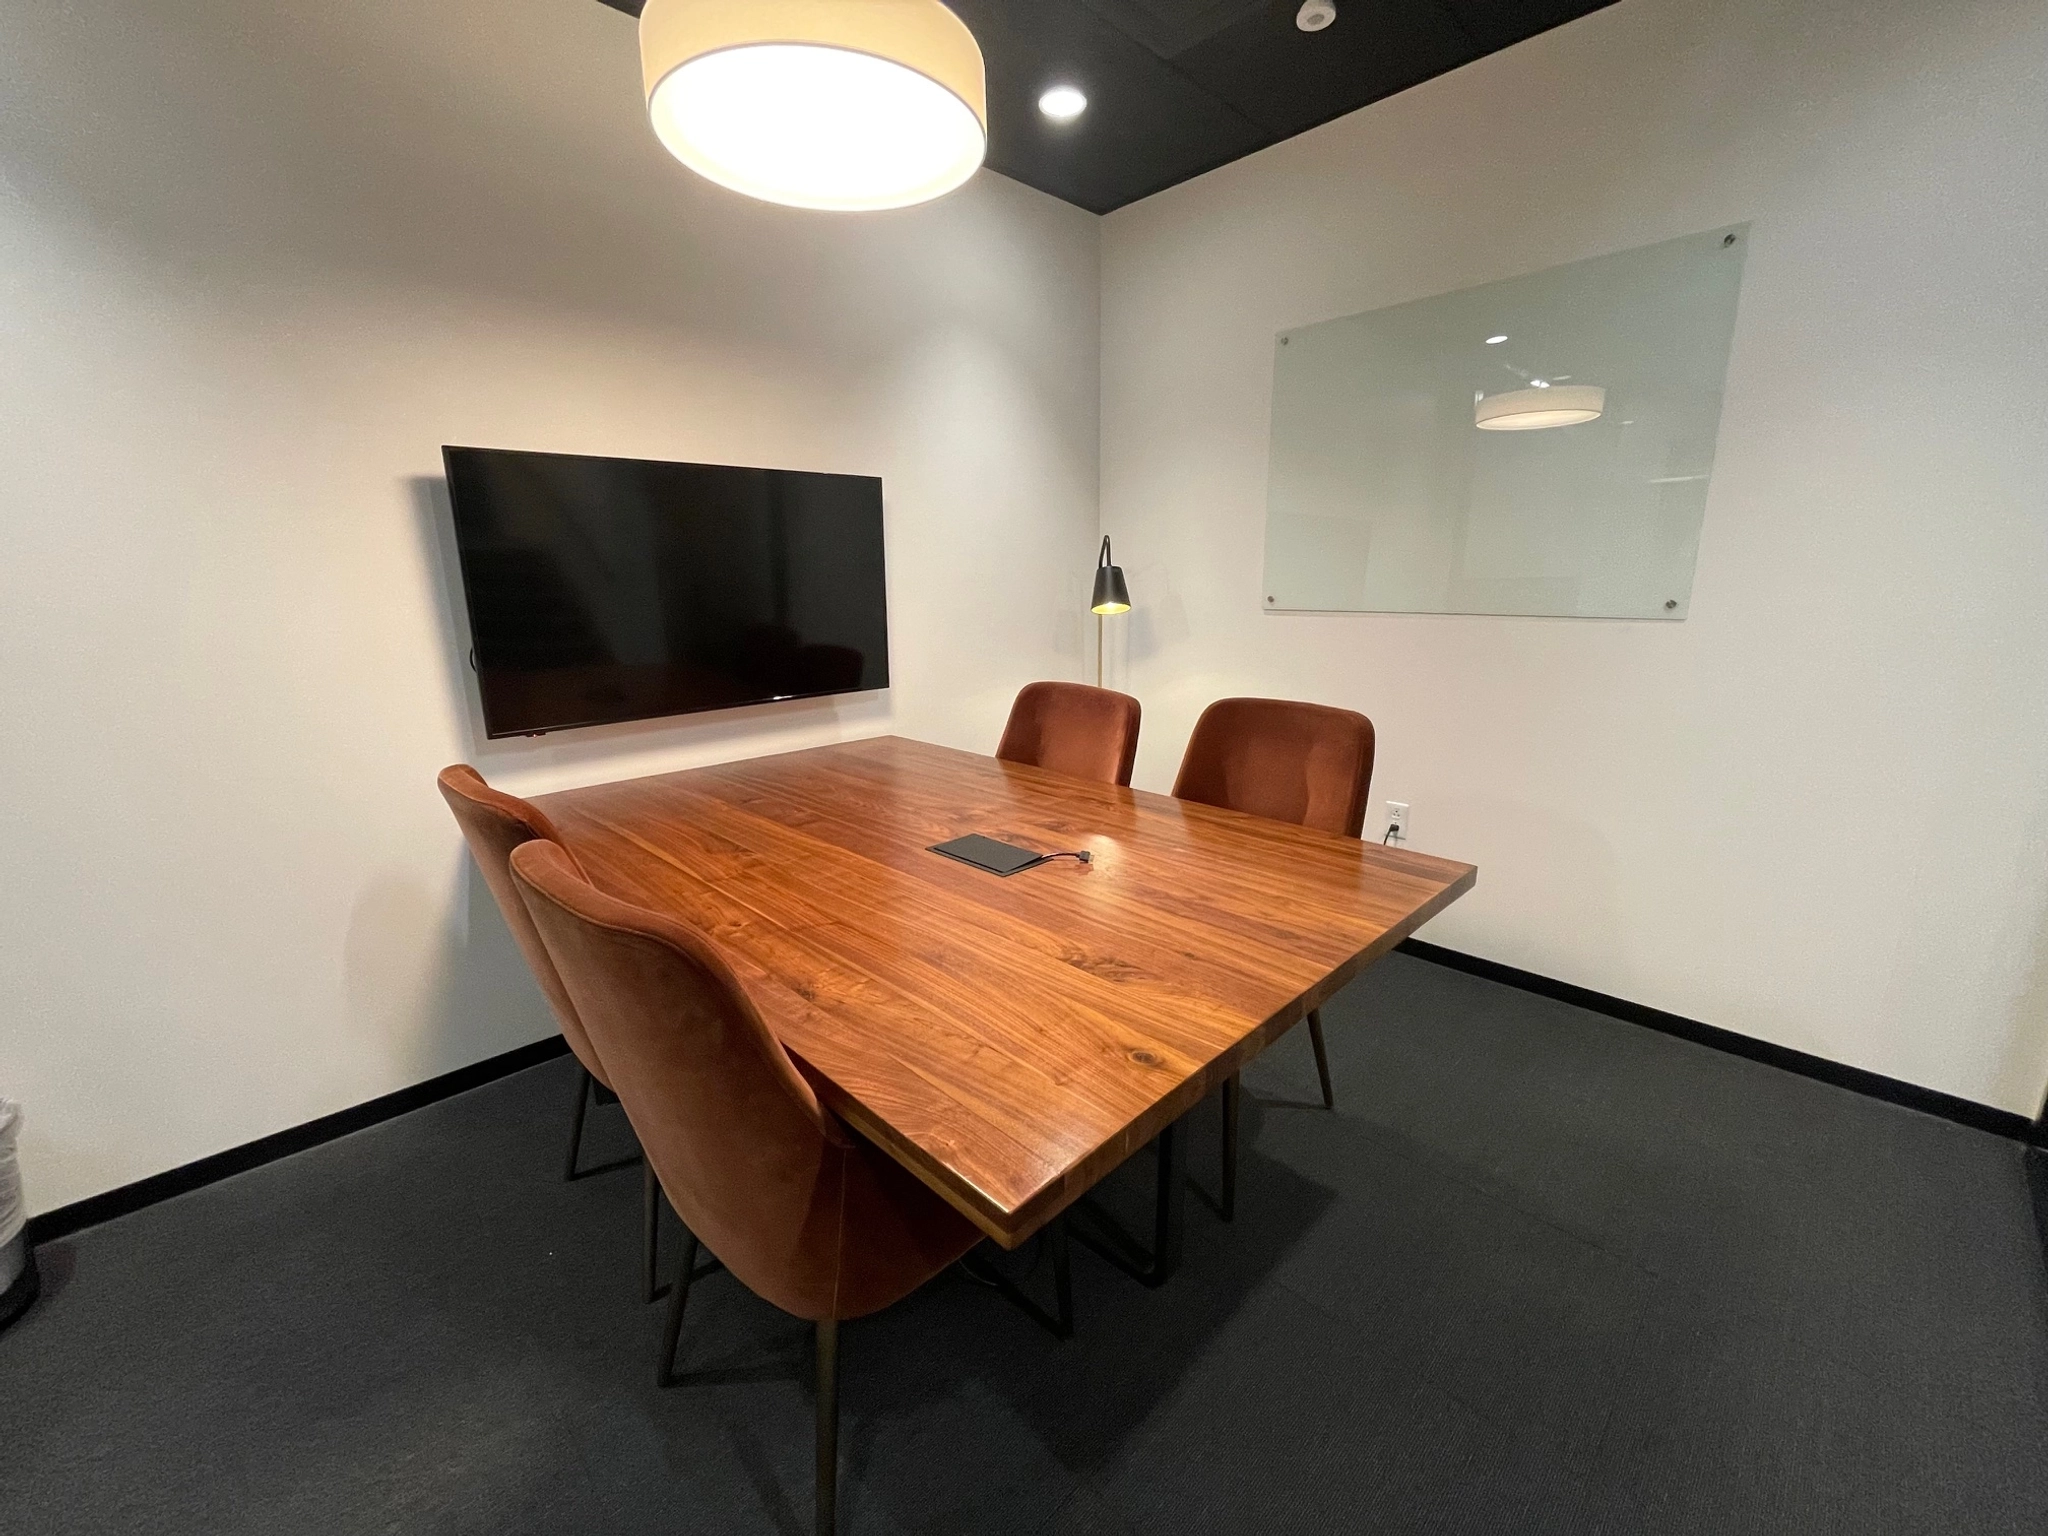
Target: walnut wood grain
(1008, 1040)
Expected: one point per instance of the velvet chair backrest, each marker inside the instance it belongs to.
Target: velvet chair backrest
(1304, 763)
(1070, 728)
(493, 824)
(801, 1212)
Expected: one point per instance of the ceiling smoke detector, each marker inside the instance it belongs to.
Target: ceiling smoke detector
(1315, 15)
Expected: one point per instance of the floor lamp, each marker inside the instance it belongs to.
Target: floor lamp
(1111, 596)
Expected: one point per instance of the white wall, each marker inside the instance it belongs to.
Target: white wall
(257, 263)
(1817, 811)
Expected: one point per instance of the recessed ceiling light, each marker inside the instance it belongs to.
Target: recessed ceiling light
(1063, 103)
(1315, 15)
(817, 104)
(1494, 341)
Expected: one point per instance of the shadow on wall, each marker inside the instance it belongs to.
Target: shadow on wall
(434, 985)
(1568, 857)
(435, 514)
(1158, 619)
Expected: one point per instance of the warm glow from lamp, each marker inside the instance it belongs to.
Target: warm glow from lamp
(835, 104)
(1531, 410)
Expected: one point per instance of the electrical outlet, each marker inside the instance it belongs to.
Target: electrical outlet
(1397, 820)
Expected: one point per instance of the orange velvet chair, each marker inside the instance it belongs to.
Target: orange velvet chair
(797, 1208)
(1070, 728)
(493, 824)
(1305, 763)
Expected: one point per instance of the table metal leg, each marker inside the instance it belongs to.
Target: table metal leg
(1315, 1038)
(1169, 1219)
(1233, 1096)
(1060, 1321)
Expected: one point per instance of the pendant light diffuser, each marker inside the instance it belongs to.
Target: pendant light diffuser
(846, 105)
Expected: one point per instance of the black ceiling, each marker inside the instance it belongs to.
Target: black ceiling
(1179, 87)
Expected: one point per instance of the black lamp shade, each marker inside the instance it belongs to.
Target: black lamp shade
(1111, 595)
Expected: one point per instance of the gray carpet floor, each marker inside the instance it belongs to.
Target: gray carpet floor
(1542, 1271)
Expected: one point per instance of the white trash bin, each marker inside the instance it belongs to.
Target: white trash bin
(18, 1280)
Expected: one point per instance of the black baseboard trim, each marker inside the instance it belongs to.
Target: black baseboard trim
(94, 1209)
(1929, 1101)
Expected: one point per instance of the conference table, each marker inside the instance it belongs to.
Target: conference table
(1008, 1039)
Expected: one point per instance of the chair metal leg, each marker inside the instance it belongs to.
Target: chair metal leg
(576, 1113)
(1315, 1036)
(672, 1326)
(650, 1230)
(589, 1091)
(1233, 1094)
(1059, 1322)
(678, 1299)
(1169, 1220)
(828, 1425)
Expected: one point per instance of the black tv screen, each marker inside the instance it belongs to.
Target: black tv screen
(602, 590)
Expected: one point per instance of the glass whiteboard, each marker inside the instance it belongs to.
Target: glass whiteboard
(1386, 495)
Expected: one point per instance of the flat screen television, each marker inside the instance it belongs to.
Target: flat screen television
(602, 590)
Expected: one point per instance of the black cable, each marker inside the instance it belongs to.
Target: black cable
(1046, 858)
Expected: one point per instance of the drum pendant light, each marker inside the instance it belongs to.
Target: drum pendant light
(835, 104)
(1531, 410)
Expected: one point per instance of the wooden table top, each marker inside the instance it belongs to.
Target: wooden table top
(1009, 1040)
